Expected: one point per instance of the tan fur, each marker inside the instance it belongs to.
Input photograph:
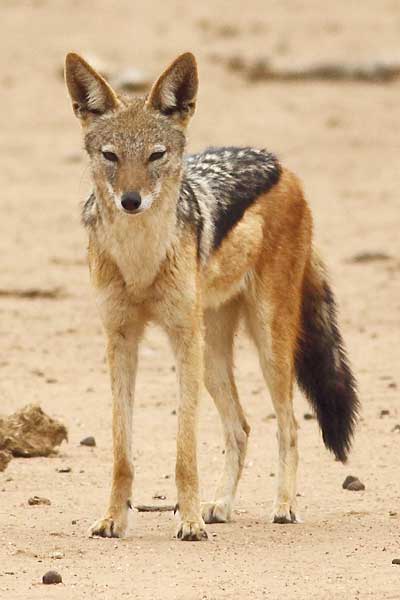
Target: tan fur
(155, 275)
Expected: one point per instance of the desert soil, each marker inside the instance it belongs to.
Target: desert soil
(342, 138)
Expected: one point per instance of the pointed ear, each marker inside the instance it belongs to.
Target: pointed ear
(91, 95)
(174, 93)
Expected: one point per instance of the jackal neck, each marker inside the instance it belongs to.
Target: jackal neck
(138, 245)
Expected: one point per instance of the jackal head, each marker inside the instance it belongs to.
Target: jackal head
(135, 145)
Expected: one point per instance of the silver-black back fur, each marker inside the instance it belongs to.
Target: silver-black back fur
(218, 186)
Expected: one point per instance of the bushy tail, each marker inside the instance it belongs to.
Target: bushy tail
(322, 368)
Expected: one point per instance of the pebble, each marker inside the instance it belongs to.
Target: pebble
(36, 500)
(88, 441)
(56, 555)
(51, 577)
(366, 257)
(396, 428)
(384, 413)
(64, 470)
(356, 486)
(353, 484)
(308, 416)
(396, 561)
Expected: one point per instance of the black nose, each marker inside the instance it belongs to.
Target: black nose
(131, 201)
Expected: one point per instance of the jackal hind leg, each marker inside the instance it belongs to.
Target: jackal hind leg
(220, 326)
(272, 336)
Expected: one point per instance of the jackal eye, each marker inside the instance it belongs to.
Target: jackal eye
(109, 156)
(157, 155)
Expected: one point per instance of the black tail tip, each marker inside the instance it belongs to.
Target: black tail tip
(339, 421)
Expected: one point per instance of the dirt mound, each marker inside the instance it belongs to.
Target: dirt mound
(29, 432)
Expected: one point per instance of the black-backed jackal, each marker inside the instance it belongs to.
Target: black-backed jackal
(196, 243)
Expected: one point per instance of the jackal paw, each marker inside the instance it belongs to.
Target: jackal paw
(284, 514)
(191, 531)
(216, 512)
(109, 527)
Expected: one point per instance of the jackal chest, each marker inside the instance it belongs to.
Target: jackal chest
(137, 255)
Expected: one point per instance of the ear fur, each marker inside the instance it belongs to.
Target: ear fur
(174, 93)
(91, 95)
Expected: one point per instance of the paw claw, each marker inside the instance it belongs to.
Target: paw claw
(108, 528)
(191, 531)
(284, 517)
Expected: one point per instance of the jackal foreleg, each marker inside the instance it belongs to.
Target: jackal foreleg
(122, 349)
(188, 349)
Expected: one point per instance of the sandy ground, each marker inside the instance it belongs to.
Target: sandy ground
(343, 141)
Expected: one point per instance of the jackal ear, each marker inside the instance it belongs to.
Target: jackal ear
(174, 93)
(91, 95)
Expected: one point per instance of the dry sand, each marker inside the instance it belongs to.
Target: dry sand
(343, 140)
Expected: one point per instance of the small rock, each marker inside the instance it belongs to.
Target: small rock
(384, 413)
(88, 441)
(73, 522)
(308, 416)
(353, 484)
(37, 372)
(392, 385)
(63, 470)
(56, 555)
(396, 561)
(392, 513)
(173, 412)
(396, 428)
(367, 257)
(349, 479)
(356, 486)
(159, 497)
(51, 577)
(37, 500)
